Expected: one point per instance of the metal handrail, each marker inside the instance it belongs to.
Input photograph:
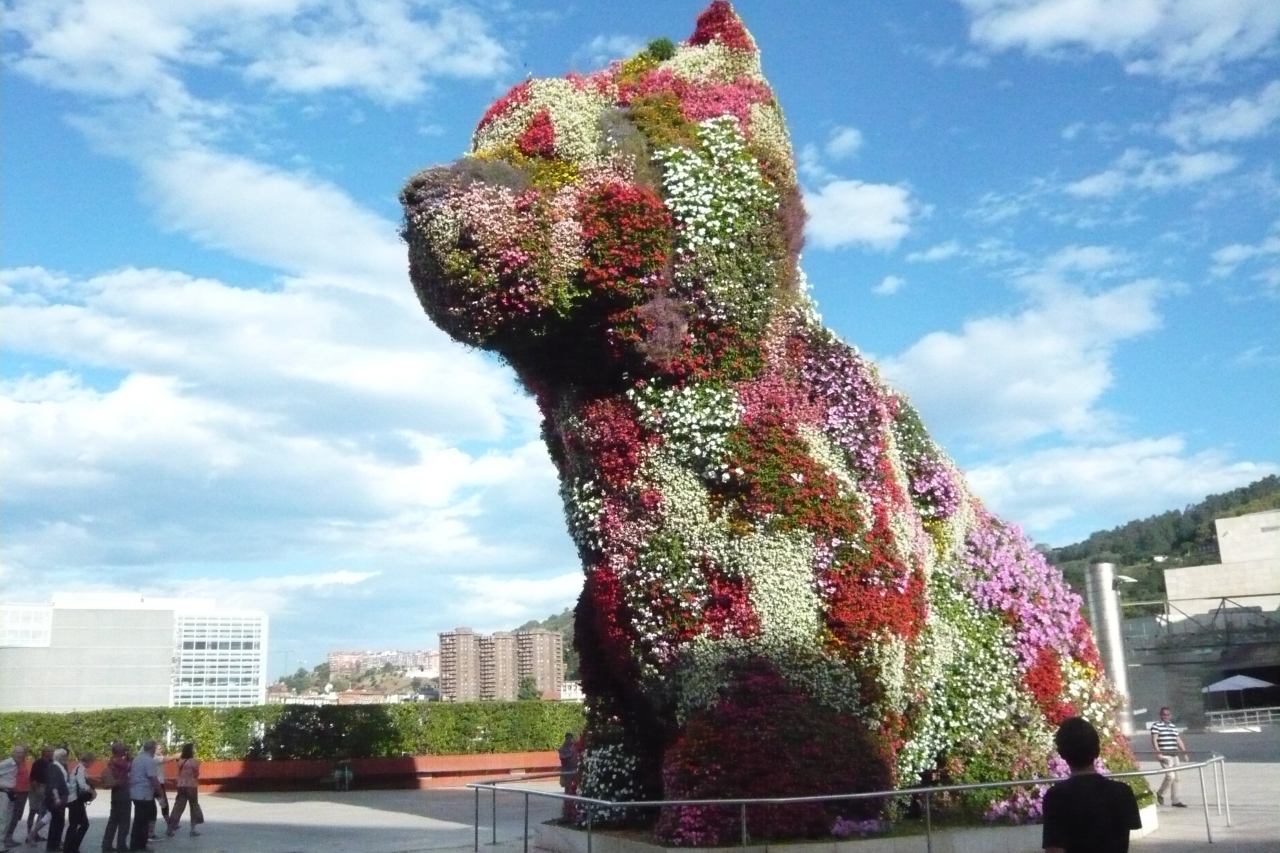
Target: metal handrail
(1215, 761)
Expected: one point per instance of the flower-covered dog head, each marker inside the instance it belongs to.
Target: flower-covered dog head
(642, 219)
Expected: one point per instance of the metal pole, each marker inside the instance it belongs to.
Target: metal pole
(590, 810)
(477, 846)
(1217, 794)
(1205, 800)
(744, 824)
(526, 822)
(1226, 795)
(493, 813)
(928, 824)
(1104, 616)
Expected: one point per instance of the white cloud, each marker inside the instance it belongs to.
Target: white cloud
(289, 222)
(843, 143)
(387, 49)
(1073, 490)
(945, 57)
(889, 286)
(844, 213)
(940, 252)
(381, 47)
(1173, 38)
(602, 50)
(1008, 379)
(1136, 169)
(500, 603)
(237, 424)
(1242, 118)
(1263, 256)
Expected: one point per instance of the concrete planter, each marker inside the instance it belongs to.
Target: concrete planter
(978, 839)
(417, 771)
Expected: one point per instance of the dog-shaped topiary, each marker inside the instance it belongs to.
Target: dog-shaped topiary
(789, 589)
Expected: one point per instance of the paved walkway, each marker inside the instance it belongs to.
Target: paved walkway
(442, 819)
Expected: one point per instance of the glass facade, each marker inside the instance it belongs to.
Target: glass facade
(219, 660)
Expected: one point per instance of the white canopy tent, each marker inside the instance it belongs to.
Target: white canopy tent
(1236, 683)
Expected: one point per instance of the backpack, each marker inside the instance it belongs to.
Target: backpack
(109, 776)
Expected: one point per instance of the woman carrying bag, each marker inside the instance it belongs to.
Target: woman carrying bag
(188, 791)
(79, 794)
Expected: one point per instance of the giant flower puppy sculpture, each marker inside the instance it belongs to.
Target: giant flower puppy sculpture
(789, 589)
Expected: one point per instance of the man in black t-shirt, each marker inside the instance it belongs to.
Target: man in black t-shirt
(1086, 813)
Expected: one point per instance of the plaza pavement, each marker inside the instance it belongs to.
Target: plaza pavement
(441, 819)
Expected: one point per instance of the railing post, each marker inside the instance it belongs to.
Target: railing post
(744, 824)
(928, 824)
(590, 812)
(1217, 794)
(477, 844)
(526, 822)
(493, 814)
(1204, 798)
(1226, 795)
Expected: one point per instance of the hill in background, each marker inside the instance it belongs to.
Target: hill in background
(1180, 537)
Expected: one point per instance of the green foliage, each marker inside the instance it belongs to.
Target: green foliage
(302, 731)
(660, 117)
(528, 689)
(661, 49)
(1183, 537)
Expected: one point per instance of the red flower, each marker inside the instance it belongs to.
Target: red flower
(1044, 682)
(519, 94)
(720, 23)
(539, 138)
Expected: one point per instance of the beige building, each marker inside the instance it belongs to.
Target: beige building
(460, 665)
(491, 667)
(1249, 573)
(498, 679)
(540, 656)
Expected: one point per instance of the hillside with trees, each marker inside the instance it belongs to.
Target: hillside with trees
(1142, 549)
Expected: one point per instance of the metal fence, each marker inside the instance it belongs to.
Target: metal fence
(1243, 717)
(1217, 764)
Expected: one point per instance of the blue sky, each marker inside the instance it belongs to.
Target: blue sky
(1055, 224)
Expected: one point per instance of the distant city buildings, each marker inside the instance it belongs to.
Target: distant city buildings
(479, 666)
(426, 662)
(89, 652)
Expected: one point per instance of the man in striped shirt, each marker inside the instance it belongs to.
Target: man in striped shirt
(1168, 746)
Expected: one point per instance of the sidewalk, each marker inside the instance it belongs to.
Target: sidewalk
(351, 822)
(442, 820)
(1254, 790)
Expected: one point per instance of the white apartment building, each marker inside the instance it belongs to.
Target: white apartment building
(89, 652)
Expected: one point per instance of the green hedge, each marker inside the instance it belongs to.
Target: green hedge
(301, 731)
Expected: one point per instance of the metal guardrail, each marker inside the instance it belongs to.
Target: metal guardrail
(1217, 763)
(1244, 717)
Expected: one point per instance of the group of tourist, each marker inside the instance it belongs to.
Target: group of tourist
(55, 789)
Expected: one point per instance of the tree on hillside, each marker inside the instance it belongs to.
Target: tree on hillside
(1144, 548)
